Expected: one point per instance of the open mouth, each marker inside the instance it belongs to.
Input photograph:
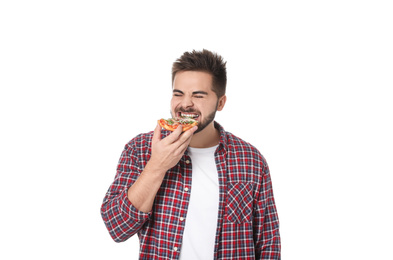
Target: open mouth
(188, 115)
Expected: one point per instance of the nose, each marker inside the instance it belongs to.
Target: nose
(186, 102)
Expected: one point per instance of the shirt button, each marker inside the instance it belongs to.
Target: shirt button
(188, 161)
(181, 218)
(185, 189)
(175, 249)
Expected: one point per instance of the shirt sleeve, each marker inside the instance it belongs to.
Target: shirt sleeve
(121, 218)
(266, 223)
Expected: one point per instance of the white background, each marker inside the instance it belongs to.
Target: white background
(309, 84)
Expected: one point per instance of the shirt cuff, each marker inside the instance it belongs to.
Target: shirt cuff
(128, 210)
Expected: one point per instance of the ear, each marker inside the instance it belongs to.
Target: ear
(221, 103)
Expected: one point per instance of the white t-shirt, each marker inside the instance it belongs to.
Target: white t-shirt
(201, 220)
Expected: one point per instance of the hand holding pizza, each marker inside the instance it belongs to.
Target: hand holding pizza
(167, 152)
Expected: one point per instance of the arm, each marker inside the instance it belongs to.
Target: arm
(266, 223)
(116, 209)
(128, 203)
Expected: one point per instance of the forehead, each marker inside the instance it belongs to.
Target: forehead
(193, 80)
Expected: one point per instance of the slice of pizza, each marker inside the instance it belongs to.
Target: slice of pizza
(172, 123)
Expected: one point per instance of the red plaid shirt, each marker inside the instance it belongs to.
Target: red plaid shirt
(248, 226)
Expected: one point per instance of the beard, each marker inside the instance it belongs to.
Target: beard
(202, 124)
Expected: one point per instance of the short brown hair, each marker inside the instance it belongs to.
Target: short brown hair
(206, 61)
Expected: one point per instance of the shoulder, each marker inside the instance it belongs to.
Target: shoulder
(140, 140)
(243, 150)
(140, 144)
(143, 141)
(235, 142)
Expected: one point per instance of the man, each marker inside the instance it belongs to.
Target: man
(201, 194)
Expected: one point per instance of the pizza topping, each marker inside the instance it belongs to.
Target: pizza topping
(172, 123)
(181, 120)
(186, 120)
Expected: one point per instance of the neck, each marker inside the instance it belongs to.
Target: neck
(208, 137)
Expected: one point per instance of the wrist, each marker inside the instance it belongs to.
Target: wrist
(154, 168)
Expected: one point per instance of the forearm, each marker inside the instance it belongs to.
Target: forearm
(142, 193)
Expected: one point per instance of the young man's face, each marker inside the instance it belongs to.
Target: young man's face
(193, 95)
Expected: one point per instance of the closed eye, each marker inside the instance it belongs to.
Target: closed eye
(177, 93)
(199, 94)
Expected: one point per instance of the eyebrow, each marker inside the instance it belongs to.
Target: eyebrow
(194, 93)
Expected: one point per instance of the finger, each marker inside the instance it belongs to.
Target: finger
(193, 129)
(185, 140)
(157, 134)
(181, 150)
(183, 147)
(188, 134)
(174, 135)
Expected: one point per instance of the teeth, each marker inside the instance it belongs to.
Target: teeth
(188, 115)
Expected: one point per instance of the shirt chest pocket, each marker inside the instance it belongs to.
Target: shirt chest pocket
(239, 202)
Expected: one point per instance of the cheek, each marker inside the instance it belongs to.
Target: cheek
(174, 106)
(208, 107)
(173, 103)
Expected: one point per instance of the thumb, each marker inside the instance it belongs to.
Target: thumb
(157, 134)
